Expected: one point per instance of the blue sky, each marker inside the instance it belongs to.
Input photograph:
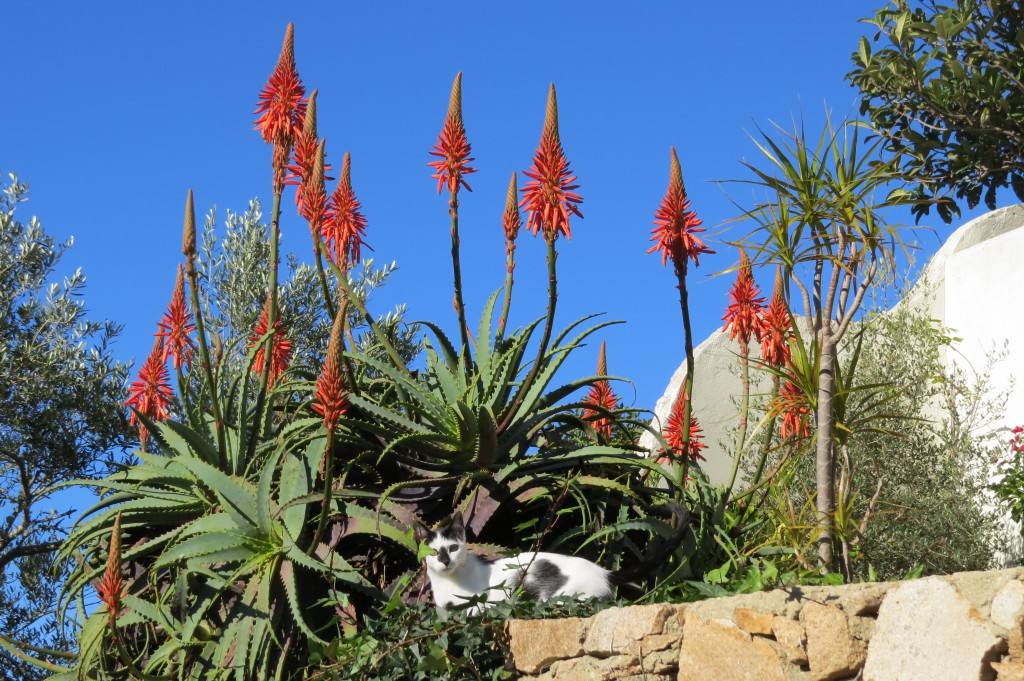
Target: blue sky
(113, 111)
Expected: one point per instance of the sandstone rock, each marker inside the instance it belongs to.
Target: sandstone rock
(1016, 642)
(720, 650)
(831, 651)
(926, 630)
(619, 630)
(1009, 671)
(614, 668)
(535, 644)
(791, 637)
(1008, 605)
(863, 599)
(754, 622)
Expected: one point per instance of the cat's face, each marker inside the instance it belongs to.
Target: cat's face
(448, 543)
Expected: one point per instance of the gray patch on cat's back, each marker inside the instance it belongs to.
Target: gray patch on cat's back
(544, 579)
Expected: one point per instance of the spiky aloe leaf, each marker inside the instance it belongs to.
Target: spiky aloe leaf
(207, 548)
(287, 576)
(237, 496)
(487, 443)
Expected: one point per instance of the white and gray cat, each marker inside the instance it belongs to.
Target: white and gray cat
(456, 576)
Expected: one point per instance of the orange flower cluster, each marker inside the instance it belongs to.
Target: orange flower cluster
(602, 398)
(673, 432)
(776, 328)
(281, 351)
(452, 148)
(549, 197)
(331, 398)
(677, 224)
(282, 108)
(111, 588)
(345, 226)
(150, 394)
(176, 325)
(743, 317)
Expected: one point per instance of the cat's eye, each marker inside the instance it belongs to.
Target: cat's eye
(453, 548)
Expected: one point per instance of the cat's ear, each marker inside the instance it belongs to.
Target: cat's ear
(456, 527)
(420, 532)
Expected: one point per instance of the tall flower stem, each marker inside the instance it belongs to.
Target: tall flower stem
(511, 222)
(460, 306)
(684, 305)
(189, 250)
(322, 274)
(268, 347)
(352, 298)
(741, 437)
(545, 337)
(506, 304)
(325, 503)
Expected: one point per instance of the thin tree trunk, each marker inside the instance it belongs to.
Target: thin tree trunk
(824, 460)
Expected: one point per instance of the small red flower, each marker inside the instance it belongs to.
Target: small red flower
(743, 316)
(452, 147)
(673, 432)
(791, 404)
(345, 226)
(677, 224)
(281, 351)
(111, 589)
(282, 108)
(331, 398)
(176, 325)
(150, 394)
(777, 329)
(601, 395)
(304, 149)
(549, 197)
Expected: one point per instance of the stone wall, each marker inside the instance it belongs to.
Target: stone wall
(960, 627)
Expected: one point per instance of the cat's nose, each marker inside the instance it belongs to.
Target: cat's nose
(444, 560)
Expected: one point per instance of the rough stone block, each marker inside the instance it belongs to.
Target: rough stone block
(791, 637)
(720, 650)
(832, 652)
(1009, 671)
(1008, 605)
(754, 622)
(927, 630)
(536, 644)
(619, 630)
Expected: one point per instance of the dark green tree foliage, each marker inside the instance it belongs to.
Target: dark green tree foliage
(61, 416)
(943, 82)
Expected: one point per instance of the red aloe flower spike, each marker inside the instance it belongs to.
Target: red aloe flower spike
(549, 197)
(331, 398)
(777, 328)
(345, 226)
(677, 224)
(281, 351)
(111, 588)
(314, 196)
(176, 325)
(791, 404)
(601, 395)
(282, 108)
(150, 394)
(304, 153)
(452, 148)
(673, 432)
(743, 315)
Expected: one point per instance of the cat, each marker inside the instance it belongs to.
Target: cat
(456, 576)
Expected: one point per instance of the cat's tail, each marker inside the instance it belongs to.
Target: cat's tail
(644, 567)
